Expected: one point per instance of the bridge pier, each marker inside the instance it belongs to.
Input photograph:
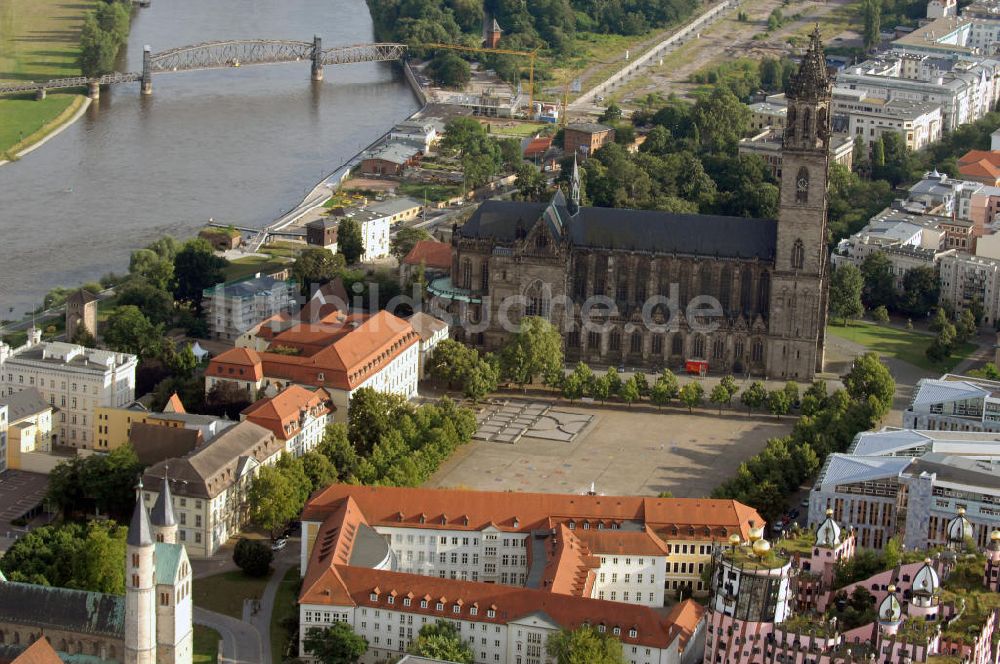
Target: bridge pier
(94, 90)
(317, 58)
(40, 94)
(146, 82)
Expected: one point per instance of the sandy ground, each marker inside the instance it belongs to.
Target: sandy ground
(623, 452)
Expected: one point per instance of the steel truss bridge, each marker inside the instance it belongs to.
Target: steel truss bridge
(231, 53)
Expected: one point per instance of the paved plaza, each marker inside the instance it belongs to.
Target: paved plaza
(507, 420)
(622, 451)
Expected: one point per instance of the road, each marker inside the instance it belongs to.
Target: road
(262, 619)
(241, 642)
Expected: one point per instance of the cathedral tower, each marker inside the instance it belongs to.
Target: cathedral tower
(798, 288)
(140, 599)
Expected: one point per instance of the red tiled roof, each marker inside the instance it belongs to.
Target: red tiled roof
(509, 603)
(537, 146)
(432, 253)
(670, 518)
(282, 412)
(685, 617)
(236, 359)
(980, 164)
(333, 546)
(39, 652)
(174, 405)
(570, 567)
(636, 542)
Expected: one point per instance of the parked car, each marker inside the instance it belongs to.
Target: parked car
(794, 513)
(279, 544)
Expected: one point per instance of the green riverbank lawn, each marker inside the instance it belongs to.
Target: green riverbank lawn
(39, 40)
(906, 345)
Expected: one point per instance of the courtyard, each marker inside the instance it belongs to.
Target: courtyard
(637, 451)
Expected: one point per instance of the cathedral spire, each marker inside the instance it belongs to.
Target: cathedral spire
(139, 530)
(812, 80)
(574, 188)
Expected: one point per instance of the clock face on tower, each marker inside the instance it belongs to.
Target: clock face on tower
(803, 184)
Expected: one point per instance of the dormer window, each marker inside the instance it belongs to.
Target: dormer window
(406, 601)
(456, 609)
(473, 611)
(373, 597)
(633, 633)
(617, 631)
(490, 613)
(423, 604)
(391, 600)
(439, 606)
(602, 629)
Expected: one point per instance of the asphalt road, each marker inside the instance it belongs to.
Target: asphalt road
(241, 642)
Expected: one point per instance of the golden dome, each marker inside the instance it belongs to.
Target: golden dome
(829, 511)
(756, 533)
(995, 536)
(927, 561)
(734, 539)
(891, 588)
(961, 511)
(761, 546)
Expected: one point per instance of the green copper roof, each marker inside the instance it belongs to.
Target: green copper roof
(63, 608)
(168, 557)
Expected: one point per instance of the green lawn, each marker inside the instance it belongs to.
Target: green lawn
(518, 129)
(242, 268)
(285, 607)
(905, 345)
(39, 40)
(206, 645)
(432, 192)
(224, 593)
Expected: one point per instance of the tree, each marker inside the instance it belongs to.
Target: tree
(988, 371)
(156, 270)
(729, 383)
(372, 415)
(791, 390)
(274, 499)
(880, 315)
(599, 388)
(612, 113)
(102, 483)
(530, 183)
(253, 557)
(316, 266)
(337, 644)
(965, 326)
(350, 241)
(128, 331)
(319, 469)
(777, 403)
(406, 238)
(442, 640)
(155, 303)
(196, 268)
(630, 391)
(879, 288)
(449, 70)
(869, 379)
(534, 350)
(72, 555)
(584, 645)
(872, 12)
(719, 396)
(691, 395)
(754, 396)
(614, 381)
(845, 292)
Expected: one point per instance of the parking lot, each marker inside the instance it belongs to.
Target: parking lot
(637, 451)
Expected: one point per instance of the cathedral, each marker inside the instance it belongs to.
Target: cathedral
(150, 624)
(655, 289)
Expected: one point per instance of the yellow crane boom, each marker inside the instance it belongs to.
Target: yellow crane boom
(531, 55)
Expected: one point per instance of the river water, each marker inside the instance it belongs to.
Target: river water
(238, 145)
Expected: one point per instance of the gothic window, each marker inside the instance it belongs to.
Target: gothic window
(664, 285)
(802, 186)
(580, 278)
(746, 290)
(537, 300)
(718, 349)
(616, 340)
(484, 278)
(698, 347)
(790, 123)
(621, 283)
(798, 255)
(658, 344)
(573, 340)
(593, 340)
(757, 351)
(635, 345)
(738, 349)
(764, 292)
(684, 286)
(726, 288)
(677, 345)
(600, 274)
(707, 287)
(466, 274)
(807, 124)
(541, 241)
(641, 279)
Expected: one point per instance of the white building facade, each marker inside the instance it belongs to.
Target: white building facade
(233, 308)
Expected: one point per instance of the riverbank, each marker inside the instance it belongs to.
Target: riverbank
(49, 130)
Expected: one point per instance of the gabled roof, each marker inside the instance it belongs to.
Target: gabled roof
(247, 358)
(23, 404)
(168, 559)
(850, 469)
(934, 390)
(686, 617)
(39, 652)
(636, 542)
(174, 404)
(54, 608)
(426, 325)
(431, 253)
(282, 413)
(570, 564)
(81, 296)
(537, 146)
(154, 443)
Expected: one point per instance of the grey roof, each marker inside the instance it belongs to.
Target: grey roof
(81, 296)
(393, 206)
(24, 404)
(932, 390)
(369, 547)
(849, 469)
(394, 152)
(62, 609)
(323, 223)
(614, 228)
(154, 443)
(73, 356)
(426, 325)
(588, 127)
(247, 287)
(140, 533)
(958, 470)
(191, 419)
(163, 509)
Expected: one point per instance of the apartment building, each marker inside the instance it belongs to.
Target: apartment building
(26, 421)
(765, 114)
(432, 331)
(954, 403)
(233, 308)
(918, 123)
(340, 353)
(509, 569)
(74, 380)
(767, 144)
(209, 485)
(296, 416)
(965, 278)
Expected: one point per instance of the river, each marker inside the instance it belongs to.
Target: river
(238, 145)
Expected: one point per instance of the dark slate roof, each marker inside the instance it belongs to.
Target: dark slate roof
(639, 230)
(589, 127)
(163, 509)
(154, 443)
(63, 608)
(24, 404)
(140, 533)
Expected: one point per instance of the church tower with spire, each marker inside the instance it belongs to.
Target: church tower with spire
(162, 516)
(799, 284)
(140, 583)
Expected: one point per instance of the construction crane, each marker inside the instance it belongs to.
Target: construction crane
(531, 55)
